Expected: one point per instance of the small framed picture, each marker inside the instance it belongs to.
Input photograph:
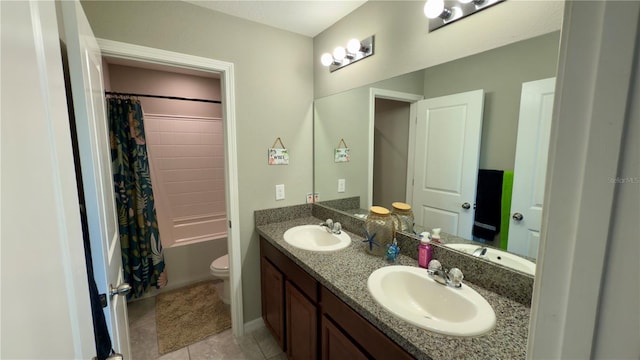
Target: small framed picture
(278, 156)
(341, 155)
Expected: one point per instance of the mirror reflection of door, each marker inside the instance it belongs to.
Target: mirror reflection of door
(447, 152)
(534, 128)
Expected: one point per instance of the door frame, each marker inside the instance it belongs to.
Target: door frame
(397, 96)
(227, 76)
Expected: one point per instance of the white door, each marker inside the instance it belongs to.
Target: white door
(529, 173)
(85, 65)
(447, 149)
(45, 308)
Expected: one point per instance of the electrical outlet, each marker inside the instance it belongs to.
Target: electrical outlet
(309, 198)
(341, 185)
(280, 192)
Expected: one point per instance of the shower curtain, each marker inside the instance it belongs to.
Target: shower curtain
(142, 257)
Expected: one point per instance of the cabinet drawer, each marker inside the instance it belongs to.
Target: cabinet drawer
(375, 342)
(294, 273)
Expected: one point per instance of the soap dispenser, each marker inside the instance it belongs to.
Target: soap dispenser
(425, 250)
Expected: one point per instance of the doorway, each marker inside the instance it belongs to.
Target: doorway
(165, 59)
(391, 151)
(392, 105)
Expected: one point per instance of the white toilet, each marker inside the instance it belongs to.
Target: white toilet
(220, 269)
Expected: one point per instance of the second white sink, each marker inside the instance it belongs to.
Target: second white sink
(412, 295)
(499, 257)
(316, 238)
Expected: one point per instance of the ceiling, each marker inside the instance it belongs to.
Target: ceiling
(306, 17)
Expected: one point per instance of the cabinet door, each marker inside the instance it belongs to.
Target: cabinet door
(302, 325)
(272, 283)
(336, 345)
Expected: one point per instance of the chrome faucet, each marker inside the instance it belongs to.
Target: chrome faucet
(331, 227)
(481, 251)
(452, 277)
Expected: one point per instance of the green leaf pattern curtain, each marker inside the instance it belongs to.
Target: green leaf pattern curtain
(142, 256)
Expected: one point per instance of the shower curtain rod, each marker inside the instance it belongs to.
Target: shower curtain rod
(163, 97)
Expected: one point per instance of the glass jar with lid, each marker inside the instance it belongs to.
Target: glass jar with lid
(402, 217)
(379, 231)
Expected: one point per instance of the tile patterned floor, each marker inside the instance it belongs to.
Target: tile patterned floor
(258, 345)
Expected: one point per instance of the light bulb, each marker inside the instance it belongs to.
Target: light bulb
(339, 53)
(465, 1)
(433, 8)
(326, 59)
(353, 46)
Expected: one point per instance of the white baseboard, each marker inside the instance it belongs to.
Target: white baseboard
(253, 325)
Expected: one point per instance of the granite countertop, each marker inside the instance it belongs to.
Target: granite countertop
(345, 273)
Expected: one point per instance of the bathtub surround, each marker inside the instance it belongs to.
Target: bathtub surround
(185, 141)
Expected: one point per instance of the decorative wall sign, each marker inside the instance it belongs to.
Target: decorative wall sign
(278, 156)
(341, 154)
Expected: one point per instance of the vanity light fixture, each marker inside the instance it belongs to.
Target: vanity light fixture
(444, 12)
(356, 50)
(435, 9)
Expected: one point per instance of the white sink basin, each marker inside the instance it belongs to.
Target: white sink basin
(316, 238)
(499, 257)
(410, 294)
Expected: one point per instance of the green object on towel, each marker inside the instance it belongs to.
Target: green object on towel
(507, 188)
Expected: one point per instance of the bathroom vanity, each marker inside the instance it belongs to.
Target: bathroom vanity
(317, 305)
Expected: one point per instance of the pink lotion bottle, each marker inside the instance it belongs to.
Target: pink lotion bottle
(424, 250)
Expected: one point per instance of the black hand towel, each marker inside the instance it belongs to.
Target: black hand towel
(488, 204)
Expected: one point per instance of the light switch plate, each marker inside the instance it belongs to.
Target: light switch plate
(280, 192)
(341, 185)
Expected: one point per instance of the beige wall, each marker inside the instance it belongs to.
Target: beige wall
(403, 43)
(273, 89)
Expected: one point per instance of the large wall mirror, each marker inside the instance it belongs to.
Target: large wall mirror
(375, 123)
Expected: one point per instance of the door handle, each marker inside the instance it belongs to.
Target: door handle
(122, 289)
(517, 217)
(466, 206)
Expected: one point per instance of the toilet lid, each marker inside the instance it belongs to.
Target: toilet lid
(221, 263)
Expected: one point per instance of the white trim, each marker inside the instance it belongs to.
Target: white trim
(226, 70)
(389, 95)
(413, 122)
(595, 67)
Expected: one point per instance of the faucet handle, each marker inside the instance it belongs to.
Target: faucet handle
(456, 276)
(337, 227)
(329, 223)
(434, 265)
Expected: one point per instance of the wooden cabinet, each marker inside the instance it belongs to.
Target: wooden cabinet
(302, 325)
(301, 314)
(272, 283)
(289, 303)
